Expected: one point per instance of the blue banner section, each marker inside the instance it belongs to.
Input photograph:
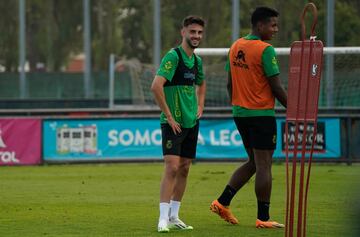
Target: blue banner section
(219, 138)
(113, 139)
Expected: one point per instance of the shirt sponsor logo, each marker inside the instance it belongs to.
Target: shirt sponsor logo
(239, 60)
(189, 75)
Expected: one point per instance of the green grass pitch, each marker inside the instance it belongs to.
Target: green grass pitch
(122, 200)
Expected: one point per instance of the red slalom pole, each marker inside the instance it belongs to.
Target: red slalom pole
(303, 89)
(308, 177)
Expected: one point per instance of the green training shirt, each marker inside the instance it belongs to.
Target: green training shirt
(181, 99)
(271, 68)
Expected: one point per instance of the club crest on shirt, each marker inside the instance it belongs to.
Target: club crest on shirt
(177, 113)
(274, 61)
(168, 65)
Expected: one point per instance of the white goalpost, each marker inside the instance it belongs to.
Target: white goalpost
(279, 51)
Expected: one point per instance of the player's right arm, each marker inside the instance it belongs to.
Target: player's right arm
(277, 90)
(157, 88)
(165, 73)
(229, 86)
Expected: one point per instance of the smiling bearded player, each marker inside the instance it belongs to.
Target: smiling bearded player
(179, 90)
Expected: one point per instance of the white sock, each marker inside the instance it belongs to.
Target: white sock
(174, 209)
(164, 211)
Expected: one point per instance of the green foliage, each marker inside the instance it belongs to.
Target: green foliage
(54, 31)
(8, 40)
(137, 27)
(107, 31)
(122, 200)
(347, 27)
(125, 27)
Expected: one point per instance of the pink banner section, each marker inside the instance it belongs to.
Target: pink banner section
(20, 141)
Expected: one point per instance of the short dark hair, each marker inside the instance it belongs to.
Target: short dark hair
(262, 14)
(193, 20)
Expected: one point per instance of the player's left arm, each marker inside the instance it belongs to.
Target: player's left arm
(200, 90)
(271, 70)
(229, 78)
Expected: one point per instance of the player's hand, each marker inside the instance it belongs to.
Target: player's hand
(200, 111)
(174, 125)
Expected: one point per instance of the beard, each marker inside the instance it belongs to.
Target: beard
(188, 41)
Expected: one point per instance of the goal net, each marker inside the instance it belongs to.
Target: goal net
(130, 80)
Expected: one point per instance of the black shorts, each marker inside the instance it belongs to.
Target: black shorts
(257, 132)
(182, 144)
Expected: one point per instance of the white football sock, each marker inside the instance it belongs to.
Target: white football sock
(174, 209)
(164, 211)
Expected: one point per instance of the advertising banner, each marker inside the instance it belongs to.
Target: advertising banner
(20, 141)
(102, 139)
(327, 140)
(113, 139)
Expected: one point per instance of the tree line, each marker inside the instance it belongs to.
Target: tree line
(54, 28)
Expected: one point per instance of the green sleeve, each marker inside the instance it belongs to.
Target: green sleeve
(168, 65)
(269, 61)
(200, 76)
(227, 65)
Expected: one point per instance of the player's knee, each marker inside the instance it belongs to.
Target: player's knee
(184, 169)
(251, 165)
(263, 159)
(250, 161)
(172, 170)
(263, 165)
